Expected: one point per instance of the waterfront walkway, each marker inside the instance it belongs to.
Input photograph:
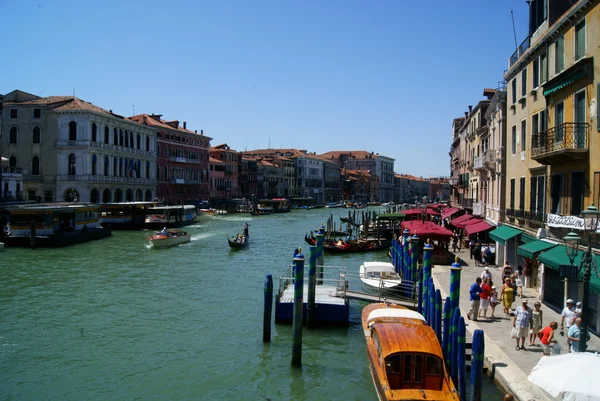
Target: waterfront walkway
(507, 365)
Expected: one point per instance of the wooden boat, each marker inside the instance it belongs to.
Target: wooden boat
(168, 238)
(405, 356)
(310, 240)
(354, 246)
(379, 276)
(238, 245)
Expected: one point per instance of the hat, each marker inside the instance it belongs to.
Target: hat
(570, 301)
(578, 303)
(486, 268)
(524, 301)
(493, 287)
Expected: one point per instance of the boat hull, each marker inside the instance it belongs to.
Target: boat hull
(171, 241)
(238, 245)
(60, 239)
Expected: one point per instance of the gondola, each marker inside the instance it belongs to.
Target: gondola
(310, 240)
(238, 245)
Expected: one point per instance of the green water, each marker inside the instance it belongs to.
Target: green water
(116, 320)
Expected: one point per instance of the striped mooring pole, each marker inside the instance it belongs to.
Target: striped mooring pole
(438, 315)
(455, 270)
(446, 329)
(320, 236)
(298, 305)
(453, 346)
(461, 357)
(477, 353)
(406, 261)
(427, 254)
(414, 244)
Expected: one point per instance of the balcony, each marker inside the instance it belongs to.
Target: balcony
(500, 153)
(467, 203)
(479, 209)
(453, 181)
(535, 216)
(489, 159)
(565, 142)
(103, 179)
(520, 51)
(478, 163)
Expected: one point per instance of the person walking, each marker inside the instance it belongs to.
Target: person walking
(472, 248)
(486, 274)
(474, 297)
(567, 319)
(574, 336)
(493, 299)
(578, 307)
(477, 253)
(485, 298)
(506, 271)
(519, 280)
(521, 324)
(536, 322)
(506, 295)
(546, 336)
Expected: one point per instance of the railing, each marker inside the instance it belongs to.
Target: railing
(106, 179)
(510, 212)
(116, 147)
(520, 51)
(12, 170)
(467, 203)
(10, 195)
(535, 216)
(519, 213)
(478, 163)
(564, 136)
(453, 181)
(479, 209)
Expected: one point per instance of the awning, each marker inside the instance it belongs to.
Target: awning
(449, 212)
(504, 233)
(526, 238)
(477, 227)
(464, 217)
(466, 222)
(558, 256)
(564, 82)
(531, 249)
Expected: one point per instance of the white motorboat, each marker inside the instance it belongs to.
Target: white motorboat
(378, 276)
(167, 238)
(1, 246)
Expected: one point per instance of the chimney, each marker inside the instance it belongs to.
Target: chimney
(156, 117)
(185, 125)
(110, 111)
(466, 114)
(201, 132)
(470, 109)
(195, 131)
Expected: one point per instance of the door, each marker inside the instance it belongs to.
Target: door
(559, 118)
(554, 289)
(579, 129)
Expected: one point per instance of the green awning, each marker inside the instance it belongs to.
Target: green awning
(530, 249)
(526, 238)
(564, 82)
(558, 256)
(504, 233)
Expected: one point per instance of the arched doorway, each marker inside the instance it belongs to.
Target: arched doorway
(118, 195)
(139, 196)
(129, 195)
(148, 195)
(106, 196)
(94, 195)
(71, 195)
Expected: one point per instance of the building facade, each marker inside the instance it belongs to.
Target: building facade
(232, 161)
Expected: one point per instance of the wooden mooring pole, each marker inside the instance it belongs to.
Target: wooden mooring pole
(298, 305)
(268, 308)
(312, 283)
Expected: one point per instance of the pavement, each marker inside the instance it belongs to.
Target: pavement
(508, 367)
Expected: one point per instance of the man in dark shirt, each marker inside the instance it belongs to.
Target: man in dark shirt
(474, 293)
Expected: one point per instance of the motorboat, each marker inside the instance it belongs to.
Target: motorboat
(378, 276)
(405, 356)
(168, 238)
(1, 246)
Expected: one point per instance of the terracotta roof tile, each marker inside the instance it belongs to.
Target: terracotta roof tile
(146, 119)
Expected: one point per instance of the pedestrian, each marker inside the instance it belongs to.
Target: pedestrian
(506, 271)
(506, 295)
(578, 307)
(474, 297)
(519, 280)
(521, 324)
(486, 274)
(574, 336)
(485, 254)
(537, 315)
(485, 298)
(493, 299)
(567, 319)
(513, 284)
(472, 247)
(546, 336)
(477, 253)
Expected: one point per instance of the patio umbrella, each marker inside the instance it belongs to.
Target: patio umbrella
(572, 377)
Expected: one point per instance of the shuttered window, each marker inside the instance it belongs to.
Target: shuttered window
(522, 194)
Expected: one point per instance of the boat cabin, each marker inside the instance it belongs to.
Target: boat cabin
(125, 213)
(379, 270)
(167, 215)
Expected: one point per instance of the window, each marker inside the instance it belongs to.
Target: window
(94, 132)
(147, 144)
(138, 141)
(512, 194)
(115, 166)
(522, 193)
(13, 113)
(524, 82)
(556, 194)
(534, 130)
(121, 137)
(523, 135)
(94, 164)
(536, 73)
(514, 139)
(47, 196)
(12, 135)
(126, 139)
(106, 165)
(106, 134)
(35, 165)
(544, 67)
(131, 139)
(72, 164)
(577, 185)
(115, 137)
(148, 169)
(31, 195)
(580, 128)
(580, 40)
(37, 113)
(514, 90)
(36, 136)
(559, 113)
(559, 55)
(72, 131)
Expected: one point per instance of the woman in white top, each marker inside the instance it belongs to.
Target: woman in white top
(519, 280)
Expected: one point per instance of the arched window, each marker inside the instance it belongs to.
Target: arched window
(72, 164)
(106, 165)
(138, 170)
(35, 165)
(138, 142)
(12, 137)
(94, 163)
(118, 195)
(131, 140)
(147, 144)
(148, 195)
(126, 139)
(115, 137)
(129, 195)
(166, 175)
(12, 163)
(94, 195)
(148, 169)
(106, 134)
(121, 137)
(115, 166)
(106, 196)
(72, 131)
(94, 132)
(139, 196)
(120, 167)
(36, 135)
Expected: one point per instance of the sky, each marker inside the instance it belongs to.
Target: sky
(385, 76)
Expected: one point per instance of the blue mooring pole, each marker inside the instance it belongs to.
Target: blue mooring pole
(268, 308)
(420, 293)
(446, 330)
(298, 305)
(477, 354)
(320, 236)
(461, 351)
(431, 304)
(453, 344)
(312, 283)
(438, 315)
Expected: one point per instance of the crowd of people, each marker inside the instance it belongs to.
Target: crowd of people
(527, 322)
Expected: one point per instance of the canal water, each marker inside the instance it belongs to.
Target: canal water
(116, 320)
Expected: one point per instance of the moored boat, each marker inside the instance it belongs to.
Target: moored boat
(354, 246)
(168, 238)
(405, 356)
(170, 216)
(239, 242)
(379, 276)
(1, 246)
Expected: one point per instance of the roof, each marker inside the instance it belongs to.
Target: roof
(215, 161)
(159, 123)
(384, 313)
(406, 335)
(355, 154)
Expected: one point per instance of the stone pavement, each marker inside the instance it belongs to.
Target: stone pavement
(508, 366)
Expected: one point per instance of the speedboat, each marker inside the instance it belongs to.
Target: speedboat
(379, 276)
(405, 356)
(1, 246)
(167, 238)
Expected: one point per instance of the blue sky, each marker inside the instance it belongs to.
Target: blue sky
(382, 76)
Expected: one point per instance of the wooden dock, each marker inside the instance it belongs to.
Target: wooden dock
(364, 296)
(329, 308)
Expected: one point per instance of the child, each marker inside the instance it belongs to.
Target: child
(493, 299)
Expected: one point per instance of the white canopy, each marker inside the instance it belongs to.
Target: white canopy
(394, 313)
(379, 267)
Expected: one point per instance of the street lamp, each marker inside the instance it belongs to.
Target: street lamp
(591, 216)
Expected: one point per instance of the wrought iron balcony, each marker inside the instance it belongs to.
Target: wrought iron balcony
(565, 142)
(535, 216)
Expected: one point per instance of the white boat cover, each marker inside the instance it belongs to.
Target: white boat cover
(394, 313)
(378, 267)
